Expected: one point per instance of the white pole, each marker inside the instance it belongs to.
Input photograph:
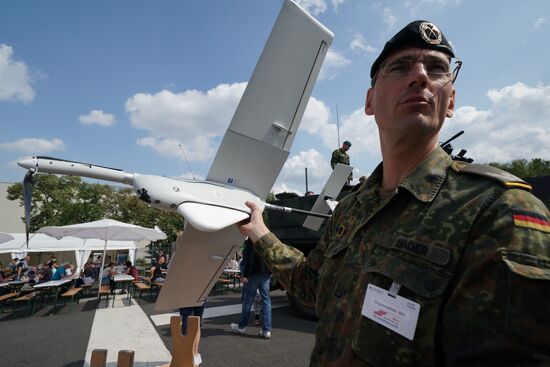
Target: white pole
(102, 265)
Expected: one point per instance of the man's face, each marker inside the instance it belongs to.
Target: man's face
(161, 259)
(412, 102)
(345, 147)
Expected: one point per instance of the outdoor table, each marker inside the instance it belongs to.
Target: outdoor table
(14, 284)
(232, 273)
(54, 285)
(125, 279)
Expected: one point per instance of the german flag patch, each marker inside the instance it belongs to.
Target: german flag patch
(526, 219)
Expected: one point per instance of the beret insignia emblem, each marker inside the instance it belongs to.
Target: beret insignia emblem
(430, 33)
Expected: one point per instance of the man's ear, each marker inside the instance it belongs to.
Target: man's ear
(451, 106)
(369, 106)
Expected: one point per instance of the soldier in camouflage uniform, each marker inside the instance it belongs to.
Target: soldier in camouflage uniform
(341, 156)
(432, 262)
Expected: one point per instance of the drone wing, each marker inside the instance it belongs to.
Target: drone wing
(251, 154)
(326, 201)
(259, 137)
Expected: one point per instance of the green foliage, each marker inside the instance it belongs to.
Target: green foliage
(63, 200)
(523, 168)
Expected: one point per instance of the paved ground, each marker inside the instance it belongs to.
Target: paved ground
(54, 336)
(60, 336)
(290, 345)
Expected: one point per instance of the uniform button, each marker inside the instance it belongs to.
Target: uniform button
(429, 286)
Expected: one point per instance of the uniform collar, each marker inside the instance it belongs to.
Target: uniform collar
(424, 182)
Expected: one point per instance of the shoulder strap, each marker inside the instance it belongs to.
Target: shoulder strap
(503, 177)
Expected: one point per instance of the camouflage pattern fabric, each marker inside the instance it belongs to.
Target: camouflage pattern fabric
(339, 156)
(482, 279)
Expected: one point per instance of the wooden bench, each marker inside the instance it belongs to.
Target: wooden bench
(71, 293)
(29, 297)
(157, 285)
(104, 290)
(141, 287)
(223, 283)
(6, 297)
(86, 288)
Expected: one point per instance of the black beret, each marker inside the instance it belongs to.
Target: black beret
(421, 34)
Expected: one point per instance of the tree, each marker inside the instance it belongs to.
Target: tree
(63, 200)
(523, 169)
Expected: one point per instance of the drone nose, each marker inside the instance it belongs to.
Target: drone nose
(27, 163)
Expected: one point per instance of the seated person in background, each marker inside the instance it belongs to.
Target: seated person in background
(69, 272)
(108, 273)
(45, 274)
(3, 275)
(132, 270)
(61, 272)
(13, 267)
(91, 270)
(157, 275)
(23, 267)
(32, 275)
(233, 264)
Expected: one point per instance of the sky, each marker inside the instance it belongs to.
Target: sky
(124, 83)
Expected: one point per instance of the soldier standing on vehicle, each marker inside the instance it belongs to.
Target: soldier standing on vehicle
(341, 156)
(432, 261)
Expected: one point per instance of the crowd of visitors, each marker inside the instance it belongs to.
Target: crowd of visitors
(22, 270)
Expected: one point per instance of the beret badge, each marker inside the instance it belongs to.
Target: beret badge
(430, 33)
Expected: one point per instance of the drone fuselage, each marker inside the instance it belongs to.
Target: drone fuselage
(207, 205)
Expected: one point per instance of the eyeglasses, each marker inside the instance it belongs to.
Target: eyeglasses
(437, 69)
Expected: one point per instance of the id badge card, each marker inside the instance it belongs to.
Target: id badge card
(392, 311)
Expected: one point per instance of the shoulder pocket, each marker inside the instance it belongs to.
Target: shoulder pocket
(525, 291)
(527, 266)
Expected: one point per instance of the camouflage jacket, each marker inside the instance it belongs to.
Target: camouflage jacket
(339, 156)
(470, 247)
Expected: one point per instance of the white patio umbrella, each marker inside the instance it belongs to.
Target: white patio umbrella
(4, 237)
(105, 229)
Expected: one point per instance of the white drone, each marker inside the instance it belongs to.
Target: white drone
(249, 159)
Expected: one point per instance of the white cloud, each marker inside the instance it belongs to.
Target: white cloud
(334, 62)
(388, 17)
(192, 118)
(539, 22)
(336, 4)
(33, 145)
(97, 117)
(358, 43)
(315, 7)
(515, 126)
(316, 116)
(283, 187)
(292, 177)
(15, 80)
(362, 131)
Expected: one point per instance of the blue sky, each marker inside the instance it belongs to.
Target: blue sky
(122, 83)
